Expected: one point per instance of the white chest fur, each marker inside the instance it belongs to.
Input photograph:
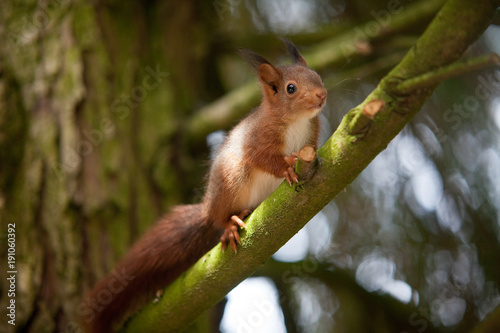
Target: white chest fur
(263, 183)
(297, 135)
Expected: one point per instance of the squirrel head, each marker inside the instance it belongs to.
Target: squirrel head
(294, 90)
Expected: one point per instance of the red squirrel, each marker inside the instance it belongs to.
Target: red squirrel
(256, 156)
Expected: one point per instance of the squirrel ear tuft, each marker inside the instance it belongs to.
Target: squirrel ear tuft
(293, 51)
(254, 59)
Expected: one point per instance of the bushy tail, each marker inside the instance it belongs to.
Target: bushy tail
(169, 248)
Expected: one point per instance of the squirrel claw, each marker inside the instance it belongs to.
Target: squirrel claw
(292, 159)
(289, 173)
(231, 234)
(290, 176)
(237, 220)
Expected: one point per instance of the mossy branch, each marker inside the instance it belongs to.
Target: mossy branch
(446, 72)
(307, 163)
(343, 157)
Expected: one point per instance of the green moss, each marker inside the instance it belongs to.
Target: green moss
(84, 25)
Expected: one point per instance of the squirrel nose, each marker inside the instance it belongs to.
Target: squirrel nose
(321, 95)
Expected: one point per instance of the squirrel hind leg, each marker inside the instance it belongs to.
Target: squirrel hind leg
(231, 234)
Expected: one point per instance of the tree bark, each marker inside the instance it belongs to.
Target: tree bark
(91, 98)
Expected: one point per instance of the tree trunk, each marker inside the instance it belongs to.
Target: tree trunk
(92, 98)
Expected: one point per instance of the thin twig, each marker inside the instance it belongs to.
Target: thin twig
(432, 78)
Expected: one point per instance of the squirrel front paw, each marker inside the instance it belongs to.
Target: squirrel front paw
(231, 234)
(289, 173)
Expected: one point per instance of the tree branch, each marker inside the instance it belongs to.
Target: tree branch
(307, 164)
(440, 74)
(343, 157)
(361, 121)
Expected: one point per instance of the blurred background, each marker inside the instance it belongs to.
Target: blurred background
(108, 112)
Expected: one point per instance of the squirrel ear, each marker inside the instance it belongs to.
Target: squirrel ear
(253, 58)
(270, 75)
(293, 51)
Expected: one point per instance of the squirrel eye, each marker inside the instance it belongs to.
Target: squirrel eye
(291, 88)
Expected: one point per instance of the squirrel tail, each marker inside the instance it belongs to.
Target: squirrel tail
(169, 248)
